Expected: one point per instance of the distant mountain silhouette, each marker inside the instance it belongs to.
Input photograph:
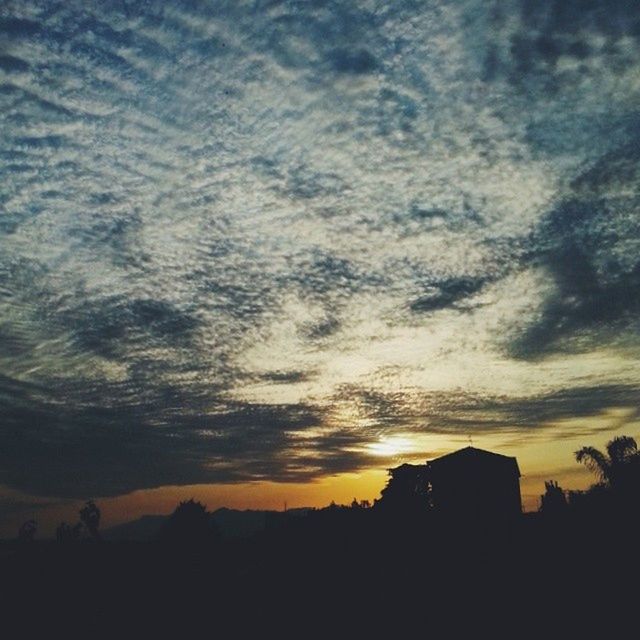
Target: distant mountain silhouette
(239, 524)
(142, 529)
(231, 523)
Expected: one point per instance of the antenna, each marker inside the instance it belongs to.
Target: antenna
(285, 505)
(470, 440)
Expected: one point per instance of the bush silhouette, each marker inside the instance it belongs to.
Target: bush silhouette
(553, 501)
(189, 523)
(65, 533)
(27, 531)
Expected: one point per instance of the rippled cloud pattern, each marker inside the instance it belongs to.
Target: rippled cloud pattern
(245, 240)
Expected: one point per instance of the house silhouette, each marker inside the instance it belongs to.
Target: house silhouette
(474, 483)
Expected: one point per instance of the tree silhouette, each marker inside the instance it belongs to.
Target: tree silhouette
(190, 523)
(407, 490)
(90, 517)
(27, 531)
(611, 468)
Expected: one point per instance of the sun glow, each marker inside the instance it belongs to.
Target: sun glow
(390, 446)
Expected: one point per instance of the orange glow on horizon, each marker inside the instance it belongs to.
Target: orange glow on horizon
(539, 460)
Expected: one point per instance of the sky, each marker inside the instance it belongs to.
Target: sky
(262, 251)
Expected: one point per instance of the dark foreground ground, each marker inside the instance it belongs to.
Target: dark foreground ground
(338, 578)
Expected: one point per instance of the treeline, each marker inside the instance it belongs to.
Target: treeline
(616, 491)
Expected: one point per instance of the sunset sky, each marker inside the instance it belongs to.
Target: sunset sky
(257, 252)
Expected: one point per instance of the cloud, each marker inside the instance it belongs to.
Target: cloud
(286, 377)
(9, 64)
(242, 241)
(356, 62)
(466, 412)
(532, 413)
(117, 323)
(82, 450)
(588, 245)
(304, 183)
(547, 40)
(75, 452)
(321, 329)
(444, 294)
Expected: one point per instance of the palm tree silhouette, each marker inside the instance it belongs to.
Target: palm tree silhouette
(609, 467)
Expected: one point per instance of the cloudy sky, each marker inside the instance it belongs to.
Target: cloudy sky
(270, 243)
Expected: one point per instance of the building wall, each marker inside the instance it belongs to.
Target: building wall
(477, 490)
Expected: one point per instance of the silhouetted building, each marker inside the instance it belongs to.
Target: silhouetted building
(474, 483)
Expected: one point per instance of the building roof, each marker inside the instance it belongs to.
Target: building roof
(472, 454)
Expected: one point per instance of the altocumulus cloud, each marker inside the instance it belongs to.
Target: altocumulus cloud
(227, 227)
